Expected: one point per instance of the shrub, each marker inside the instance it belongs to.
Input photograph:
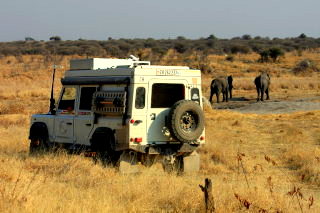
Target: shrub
(240, 49)
(246, 37)
(264, 56)
(55, 38)
(212, 37)
(180, 47)
(275, 53)
(28, 39)
(302, 35)
(230, 58)
(305, 66)
(272, 53)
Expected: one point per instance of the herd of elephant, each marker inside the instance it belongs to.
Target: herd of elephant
(224, 85)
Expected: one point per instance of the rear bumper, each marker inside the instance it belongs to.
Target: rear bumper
(155, 149)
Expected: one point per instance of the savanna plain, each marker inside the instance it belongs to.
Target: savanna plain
(258, 162)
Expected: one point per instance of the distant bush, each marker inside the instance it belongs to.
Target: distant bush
(230, 58)
(272, 53)
(180, 47)
(206, 68)
(246, 37)
(305, 66)
(302, 36)
(264, 56)
(212, 37)
(240, 49)
(28, 39)
(275, 53)
(55, 38)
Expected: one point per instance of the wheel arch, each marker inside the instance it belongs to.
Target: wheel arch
(38, 129)
(101, 130)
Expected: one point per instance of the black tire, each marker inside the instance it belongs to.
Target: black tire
(38, 145)
(104, 144)
(186, 121)
(148, 160)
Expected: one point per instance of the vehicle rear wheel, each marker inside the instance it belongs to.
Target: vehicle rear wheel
(186, 121)
(103, 143)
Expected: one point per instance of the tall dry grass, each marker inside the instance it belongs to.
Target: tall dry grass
(258, 163)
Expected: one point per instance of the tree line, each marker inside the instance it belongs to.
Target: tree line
(266, 47)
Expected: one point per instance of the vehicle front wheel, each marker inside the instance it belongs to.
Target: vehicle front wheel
(38, 145)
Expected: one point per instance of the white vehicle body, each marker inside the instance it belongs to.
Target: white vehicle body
(130, 98)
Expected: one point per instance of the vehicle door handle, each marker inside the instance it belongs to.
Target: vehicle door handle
(69, 123)
(88, 124)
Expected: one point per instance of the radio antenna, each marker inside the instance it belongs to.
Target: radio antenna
(52, 109)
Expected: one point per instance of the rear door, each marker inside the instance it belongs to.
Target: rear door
(163, 94)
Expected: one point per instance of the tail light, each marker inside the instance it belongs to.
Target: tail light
(138, 140)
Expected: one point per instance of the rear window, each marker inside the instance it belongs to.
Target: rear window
(86, 97)
(195, 95)
(165, 95)
(140, 98)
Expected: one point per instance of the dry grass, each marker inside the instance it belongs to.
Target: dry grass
(258, 163)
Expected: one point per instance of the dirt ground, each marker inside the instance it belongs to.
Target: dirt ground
(276, 106)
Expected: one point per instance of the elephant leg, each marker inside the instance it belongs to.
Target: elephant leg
(226, 94)
(262, 93)
(258, 94)
(223, 96)
(267, 93)
(211, 94)
(217, 94)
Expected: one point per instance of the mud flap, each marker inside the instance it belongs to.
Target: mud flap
(128, 163)
(191, 163)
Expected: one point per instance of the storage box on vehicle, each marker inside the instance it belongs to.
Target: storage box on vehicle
(103, 63)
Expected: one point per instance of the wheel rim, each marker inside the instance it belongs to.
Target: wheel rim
(188, 121)
(36, 142)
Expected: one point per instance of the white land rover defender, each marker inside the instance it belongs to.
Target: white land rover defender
(125, 112)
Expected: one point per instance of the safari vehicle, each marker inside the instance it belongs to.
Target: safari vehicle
(125, 112)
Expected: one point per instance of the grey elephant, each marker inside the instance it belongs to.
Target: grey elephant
(262, 83)
(219, 85)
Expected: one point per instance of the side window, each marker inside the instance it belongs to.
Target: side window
(165, 95)
(68, 99)
(195, 95)
(86, 97)
(140, 98)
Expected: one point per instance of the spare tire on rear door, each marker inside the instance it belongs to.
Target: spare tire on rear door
(186, 121)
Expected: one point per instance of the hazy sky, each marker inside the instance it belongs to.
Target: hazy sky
(100, 19)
